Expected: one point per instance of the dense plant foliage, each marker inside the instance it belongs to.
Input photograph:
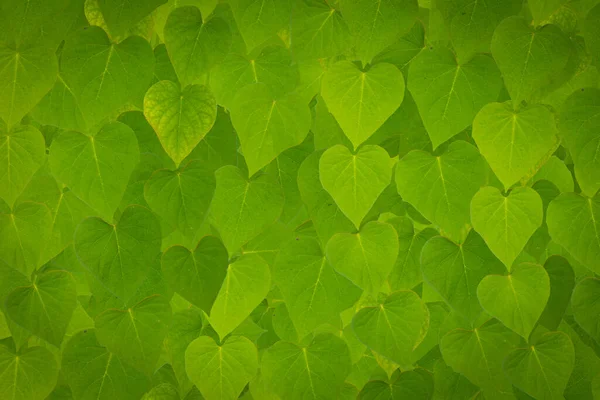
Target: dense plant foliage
(299, 199)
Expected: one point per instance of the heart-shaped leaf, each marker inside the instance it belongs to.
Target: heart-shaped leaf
(441, 187)
(44, 308)
(119, 255)
(314, 371)
(361, 101)
(195, 46)
(136, 335)
(366, 257)
(506, 222)
(586, 307)
(528, 58)
(460, 90)
(181, 118)
(28, 374)
(221, 371)
(197, 276)
(574, 223)
(518, 299)
(543, 369)
(355, 180)
(514, 143)
(96, 168)
(395, 327)
(268, 125)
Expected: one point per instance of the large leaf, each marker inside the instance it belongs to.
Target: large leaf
(102, 75)
(195, 46)
(246, 284)
(514, 143)
(578, 123)
(542, 370)
(28, 374)
(242, 208)
(377, 24)
(268, 124)
(506, 222)
(221, 371)
(394, 327)
(27, 73)
(518, 299)
(441, 187)
(120, 15)
(314, 371)
(22, 153)
(355, 181)
(314, 293)
(574, 223)
(135, 335)
(181, 197)
(96, 168)
(93, 373)
(361, 101)
(119, 256)
(366, 257)
(528, 58)
(455, 271)
(181, 118)
(449, 94)
(197, 276)
(44, 308)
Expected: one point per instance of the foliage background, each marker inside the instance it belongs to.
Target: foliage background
(299, 199)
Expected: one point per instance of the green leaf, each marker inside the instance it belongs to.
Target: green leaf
(22, 153)
(416, 384)
(267, 125)
(506, 222)
(181, 197)
(562, 282)
(181, 118)
(529, 58)
(93, 373)
(543, 9)
(314, 293)
(120, 15)
(366, 257)
(377, 24)
(441, 187)
(260, 20)
(28, 374)
(514, 143)
(195, 46)
(450, 385)
(135, 335)
(586, 307)
(96, 168)
(119, 256)
(60, 108)
(590, 33)
(44, 308)
(246, 284)
(478, 354)
(197, 276)
(314, 371)
(518, 299)
(449, 94)
(355, 181)
(394, 327)
(24, 231)
(574, 223)
(555, 171)
(578, 122)
(455, 271)
(542, 370)
(27, 73)
(361, 101)
(104, 76)
(319, 30)
(221, 371)
(472, 24)
(242, 208)
(272, 66)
